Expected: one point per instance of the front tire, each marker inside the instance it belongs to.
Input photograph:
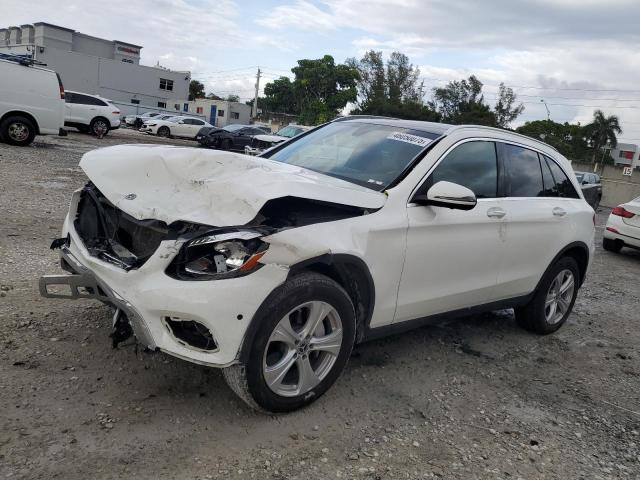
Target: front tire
(17, 130)
(305, 336)
(611, 245)
(553, 300)
(164, 132)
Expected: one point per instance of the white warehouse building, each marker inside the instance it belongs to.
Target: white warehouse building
(109, 68)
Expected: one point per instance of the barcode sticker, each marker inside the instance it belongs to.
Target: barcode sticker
(408, 138)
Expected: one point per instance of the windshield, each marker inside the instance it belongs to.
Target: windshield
(232, 128)
(363, 153)
(289, 131)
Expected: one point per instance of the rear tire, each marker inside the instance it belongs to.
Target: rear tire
(293, 359)
(611, 245)
(17, 130)
(99, 126)
(553, 301)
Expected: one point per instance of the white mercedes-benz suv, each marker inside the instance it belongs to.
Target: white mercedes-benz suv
(273, 267)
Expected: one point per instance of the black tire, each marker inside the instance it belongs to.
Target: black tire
(164, 132)
(17, 130)
(533, 316)
(611, 245)
(99, 125)
(248, 380)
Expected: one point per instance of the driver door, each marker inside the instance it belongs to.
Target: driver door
(452, 256)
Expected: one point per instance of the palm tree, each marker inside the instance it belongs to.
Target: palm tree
(602, 131)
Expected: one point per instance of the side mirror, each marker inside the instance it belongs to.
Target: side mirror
(448, 195)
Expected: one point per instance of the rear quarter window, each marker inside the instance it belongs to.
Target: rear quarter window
(563, 185)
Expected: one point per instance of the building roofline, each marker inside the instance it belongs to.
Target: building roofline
(37, 24)
(128, 44)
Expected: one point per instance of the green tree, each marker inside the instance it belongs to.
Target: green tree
(390, 90)
(506, 110)
(568, 138)
(462, 102)
(279, 97)
(322, 88)
(602, 132)
(196, 90)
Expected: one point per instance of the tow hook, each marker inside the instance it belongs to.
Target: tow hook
(121, 330)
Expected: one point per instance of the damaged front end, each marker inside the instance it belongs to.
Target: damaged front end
(114, 236)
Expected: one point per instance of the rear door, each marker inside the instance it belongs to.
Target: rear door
(195, 127)
(539, 203)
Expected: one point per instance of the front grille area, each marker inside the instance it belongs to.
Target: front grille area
(112, 235)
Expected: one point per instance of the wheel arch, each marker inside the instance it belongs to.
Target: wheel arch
(21, 113)
(100, 117)
(350, 272)
(579, 251)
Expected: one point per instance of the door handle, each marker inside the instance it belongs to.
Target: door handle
(496, 212)
(559, 212)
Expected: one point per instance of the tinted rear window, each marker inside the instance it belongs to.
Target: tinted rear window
(523, 173)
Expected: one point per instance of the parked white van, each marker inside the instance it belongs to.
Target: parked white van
(31, 101)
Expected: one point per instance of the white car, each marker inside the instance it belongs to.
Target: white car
(176, 126)
(31, 101)
(623, 227)
(130, 120)
(90, 113)
(273, 267)
(260, 143)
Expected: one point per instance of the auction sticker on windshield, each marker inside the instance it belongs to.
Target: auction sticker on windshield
(408, 138)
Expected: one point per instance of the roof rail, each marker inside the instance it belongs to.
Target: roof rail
(25, 60)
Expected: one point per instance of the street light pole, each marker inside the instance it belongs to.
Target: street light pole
(547, 107)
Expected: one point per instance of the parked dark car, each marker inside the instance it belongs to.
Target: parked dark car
(591, 188)
(231, 137)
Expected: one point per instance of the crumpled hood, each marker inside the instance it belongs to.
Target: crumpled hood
(206, 186)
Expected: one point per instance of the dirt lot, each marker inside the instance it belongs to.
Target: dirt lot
(478, 398)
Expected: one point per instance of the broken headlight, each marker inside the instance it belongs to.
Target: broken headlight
(218, 255)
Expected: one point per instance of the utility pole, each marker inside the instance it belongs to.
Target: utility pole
(255, 99)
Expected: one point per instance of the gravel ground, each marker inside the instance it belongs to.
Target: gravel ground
(478, 398)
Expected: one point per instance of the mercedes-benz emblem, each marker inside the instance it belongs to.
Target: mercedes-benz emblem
(131, 196)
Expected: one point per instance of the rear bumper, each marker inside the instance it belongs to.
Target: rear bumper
(616, 229)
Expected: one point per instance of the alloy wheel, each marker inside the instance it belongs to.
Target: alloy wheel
(559, 297)
(18, 132)
(302, 349)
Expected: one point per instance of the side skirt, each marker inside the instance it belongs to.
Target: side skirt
(400, 327)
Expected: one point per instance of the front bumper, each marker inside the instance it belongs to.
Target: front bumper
(253, 150)
(149, 297)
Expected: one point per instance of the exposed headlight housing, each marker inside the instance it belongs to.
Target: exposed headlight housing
(219, 255)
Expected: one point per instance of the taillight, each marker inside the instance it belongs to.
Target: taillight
(60, 86)
(621, 212)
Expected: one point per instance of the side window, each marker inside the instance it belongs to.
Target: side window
(522, 172)
(473, 165)
(550, 189)
(597, 180)
(68, 97)
(564, 187)
(197, 122)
